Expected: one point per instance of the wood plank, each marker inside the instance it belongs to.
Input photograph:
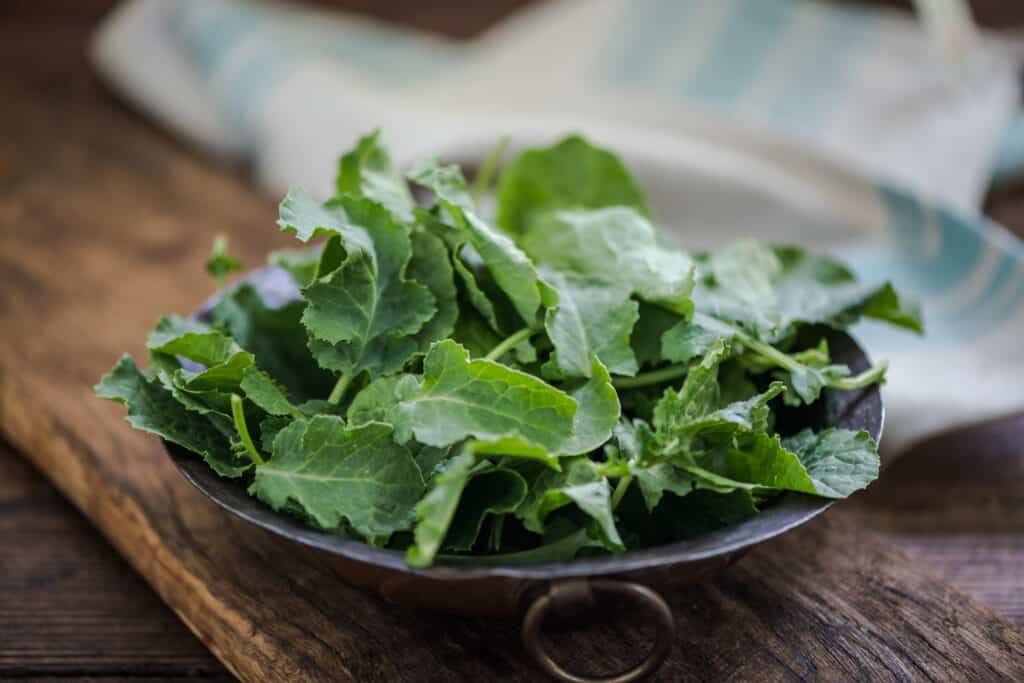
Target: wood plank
(956, 503)
(107, 223)
(69, 606)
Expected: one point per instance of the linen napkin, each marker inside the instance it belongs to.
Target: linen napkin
(743, 117)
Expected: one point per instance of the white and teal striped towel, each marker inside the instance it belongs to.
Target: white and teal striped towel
(744, 117)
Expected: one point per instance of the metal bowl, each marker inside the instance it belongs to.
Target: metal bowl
(533, 590)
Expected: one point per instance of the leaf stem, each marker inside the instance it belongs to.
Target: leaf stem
(620, 490)
(482, 181)
(338, 392)
(793, 363)
(509, 342)
(242, 428)
(866, 378)
(494, 541)
(653, 377)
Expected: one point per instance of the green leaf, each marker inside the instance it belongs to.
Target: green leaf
(572, 174)
(596, 415)
(366, 171)
(770, 291)
(474, 333)
(299, 213)
(435, 512)
(176, 336)
(445, 181)
(262, 390)
(301, 264)
(375, 400)
(492, 491)
(430, 459)
(689, 339)
(807, 380)
(362, 315)
(619, 241)
(221, 264)
(588, 318)
(512, 271)
(652, 323)
(459, 398)
(515, 447)
(277, 338)
(337, 473)
(153, 409)
(559, 550)
(579, 484)
(838, 461)
(637, 443)
(703, 511)
(697, 397)
(431, 267)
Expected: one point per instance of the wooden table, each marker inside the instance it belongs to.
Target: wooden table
(71, 608)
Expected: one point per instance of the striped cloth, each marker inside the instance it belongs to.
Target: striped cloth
(758, 118)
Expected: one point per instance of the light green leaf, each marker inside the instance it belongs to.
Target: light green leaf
(617, 241)
(435, 512)
(515, 447)
(366, 171)
(375, 400)
(299, 213)
(262, 390)
(587, 318)
(337, 473)
(572, 174)
(697, 397)
(445, 181)
(459, 398)
(301, 264)
(838, 461)
(176, 336)
(597, 413)
(770, 291)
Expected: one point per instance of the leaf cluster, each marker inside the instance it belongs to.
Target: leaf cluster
(551, 383)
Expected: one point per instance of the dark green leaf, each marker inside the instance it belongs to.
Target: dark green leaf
(153, 409)
(338, 473)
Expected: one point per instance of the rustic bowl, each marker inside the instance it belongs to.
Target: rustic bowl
(532, 590)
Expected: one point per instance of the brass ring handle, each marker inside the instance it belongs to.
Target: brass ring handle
(566, 597)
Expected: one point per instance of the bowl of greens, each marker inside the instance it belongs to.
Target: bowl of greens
(492, 410)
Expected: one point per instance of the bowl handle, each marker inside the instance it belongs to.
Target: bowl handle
(573, 596)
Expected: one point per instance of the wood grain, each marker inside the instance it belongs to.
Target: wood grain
(69, 606)
(956, 503)
(107, 222)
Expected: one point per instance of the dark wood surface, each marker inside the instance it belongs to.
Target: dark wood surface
(103, 220)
